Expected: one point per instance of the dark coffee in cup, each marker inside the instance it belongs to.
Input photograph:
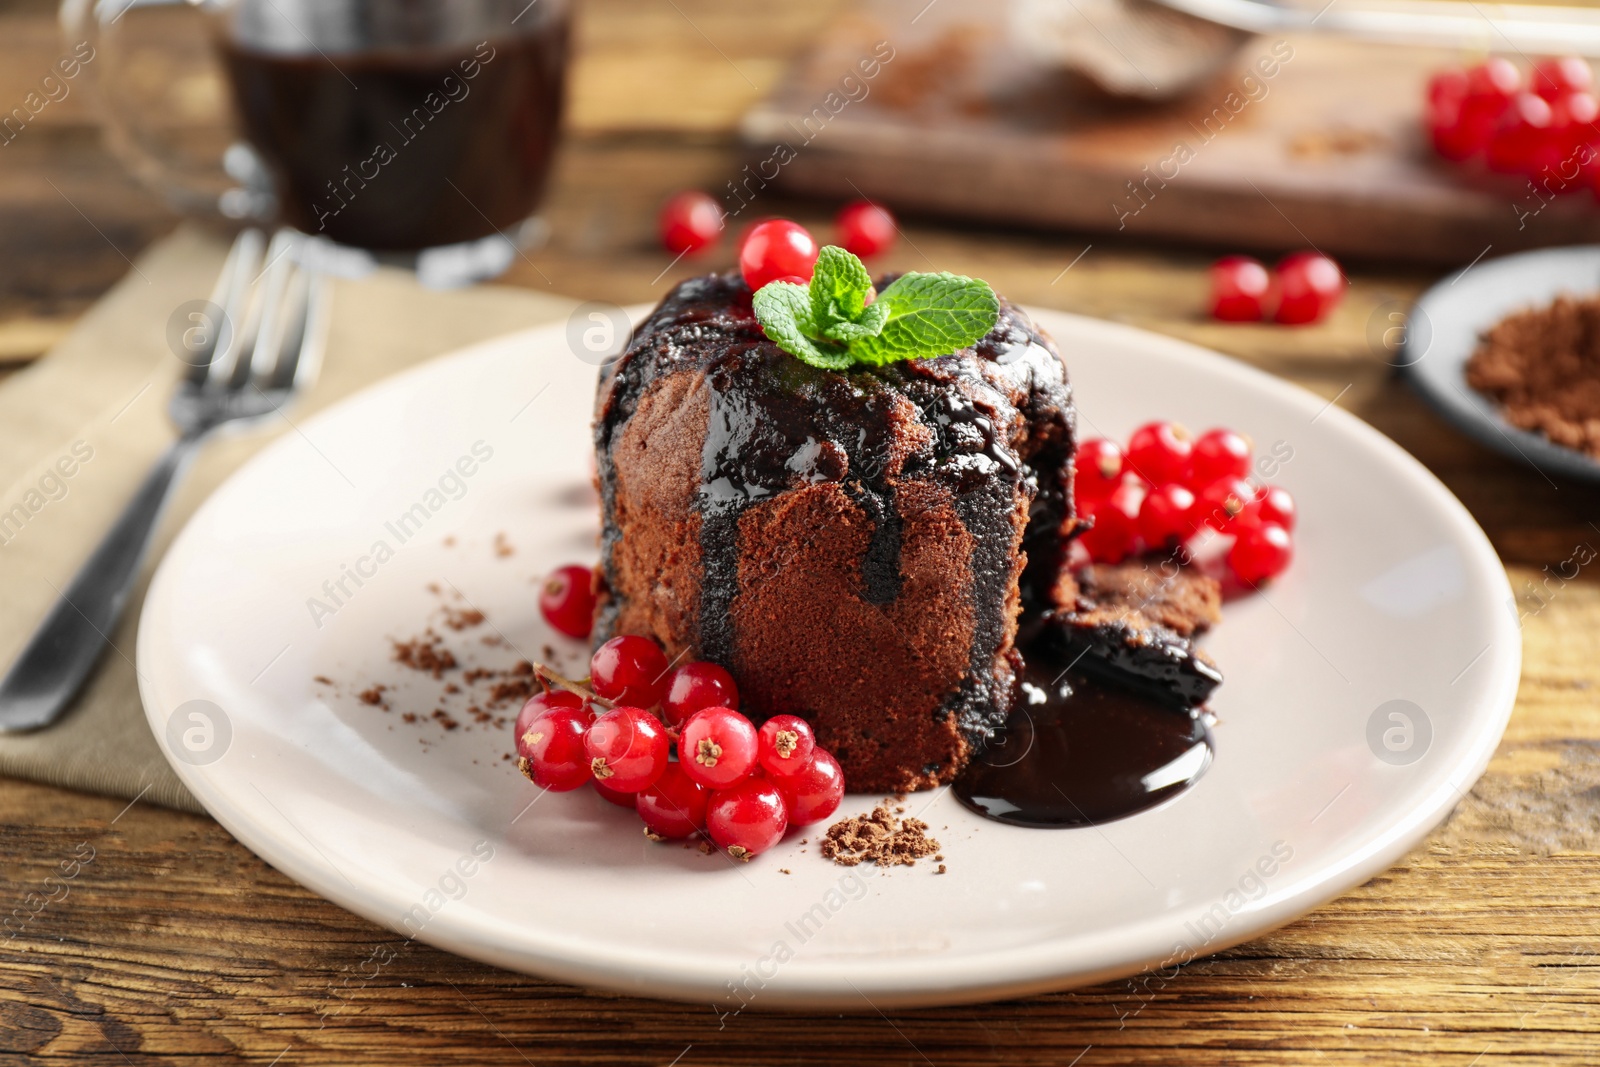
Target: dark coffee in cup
(406, 148)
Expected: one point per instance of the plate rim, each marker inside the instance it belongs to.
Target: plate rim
(893, 981)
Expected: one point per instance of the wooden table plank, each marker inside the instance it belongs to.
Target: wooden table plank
(175, 941)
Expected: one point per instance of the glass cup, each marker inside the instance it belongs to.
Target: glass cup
(419, 131)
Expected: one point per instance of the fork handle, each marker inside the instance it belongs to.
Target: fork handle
(62, 652)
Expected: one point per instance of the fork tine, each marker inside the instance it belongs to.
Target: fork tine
(275, 310)
(302, 367)
(237, 305)
(289, 335)
(232, 284)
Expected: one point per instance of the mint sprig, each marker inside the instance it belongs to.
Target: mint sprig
(829, 323)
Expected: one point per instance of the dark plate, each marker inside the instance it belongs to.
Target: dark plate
(1444, 329)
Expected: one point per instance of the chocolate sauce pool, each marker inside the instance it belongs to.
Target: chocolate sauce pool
(1080, 750)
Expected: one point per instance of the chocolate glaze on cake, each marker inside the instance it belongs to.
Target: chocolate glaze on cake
(855, 547)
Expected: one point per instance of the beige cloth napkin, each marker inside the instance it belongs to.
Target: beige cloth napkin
(79, 429)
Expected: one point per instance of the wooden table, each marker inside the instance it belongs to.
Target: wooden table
(176, 942)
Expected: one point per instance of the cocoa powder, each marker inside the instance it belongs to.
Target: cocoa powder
(1542, 365)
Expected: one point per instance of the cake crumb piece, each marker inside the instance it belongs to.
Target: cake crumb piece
(940, 870)
(784, 870)
(322, 679)
(450, 542)
(426, 653)
(372, 694)
(879, 838)
(462, 618)
(502, 546)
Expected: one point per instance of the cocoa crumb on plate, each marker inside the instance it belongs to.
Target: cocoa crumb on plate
(426, 653)
(880, 838)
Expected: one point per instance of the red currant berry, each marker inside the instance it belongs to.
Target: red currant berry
(675, 807)
(690, 221)
(694, 686)
(1274, 505)
(1160, 452)
(629, 670)
(541, 702)
(813, 792)
(627, 747)
(1239, 288)
(1166, 517)
(566, 600)
(717, 747)
(747, 818)
(1261, 552)
(1448, 87)
(785, 745)
(865, 229)
(1556, 77)
(775, 249)
(1572, 123)
(1461, 126)
(1111, 538)
(1219, 454)
(1309, 286)
(1220, 503)
(616, 796)
(1493, 82)
(1522, 138)
(1097, 470)
(551, 749)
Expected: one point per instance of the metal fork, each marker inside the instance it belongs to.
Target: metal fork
(256, 344)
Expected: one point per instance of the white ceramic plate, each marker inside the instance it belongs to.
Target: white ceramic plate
(1443, 332)
(1396, 606)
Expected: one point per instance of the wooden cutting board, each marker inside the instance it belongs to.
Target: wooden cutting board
(1326, 151)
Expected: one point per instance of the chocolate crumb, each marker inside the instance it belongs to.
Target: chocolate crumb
(426, 653)
(459, 619)
(879, 838)
(372, 694)
(322, 679)
(444, 719)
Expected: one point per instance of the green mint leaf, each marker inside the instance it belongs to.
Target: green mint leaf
(784, 311)
(870, 324)
(929, 315)
(839, 287)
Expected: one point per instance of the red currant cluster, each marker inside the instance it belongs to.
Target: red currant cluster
(1166, 487)
(1546, 124)
(1303, 288)
(692, 221)
(740, 786)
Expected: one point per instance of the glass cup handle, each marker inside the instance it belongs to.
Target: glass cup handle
(200, 168)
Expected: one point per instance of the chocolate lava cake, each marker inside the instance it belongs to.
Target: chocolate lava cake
(855, 546)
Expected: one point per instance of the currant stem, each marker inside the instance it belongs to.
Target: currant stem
(562, 682)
